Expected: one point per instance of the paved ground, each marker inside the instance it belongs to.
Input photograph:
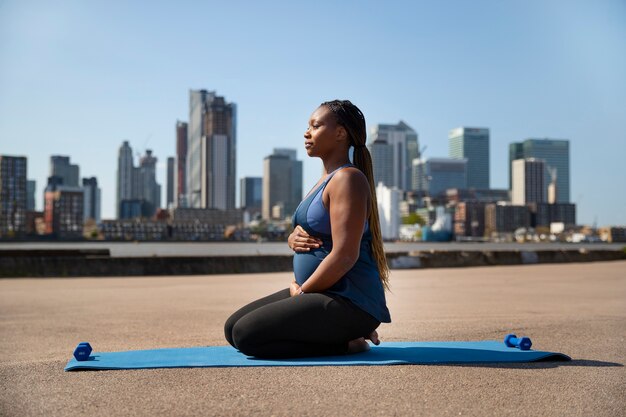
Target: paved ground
(129, 249)
(578, 309)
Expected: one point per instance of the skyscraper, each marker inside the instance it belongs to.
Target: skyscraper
(251, 192)
(137, 184)
(393, 148)
(555, 153)
(295, 173)
(12, 195)
(60, 166)
(170, 182)
(382, 161)
(282, 183)
(211, 151)
(516, 151)
(125, 171)
(31, 186)
(91, 208)
(180, 188)
(528, 181)
(435, 175)
(147, 187)
(473, 144)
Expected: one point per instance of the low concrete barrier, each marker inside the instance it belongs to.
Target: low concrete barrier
(451, 259)
(95, 263)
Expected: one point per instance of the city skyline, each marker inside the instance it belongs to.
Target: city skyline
(554, 81)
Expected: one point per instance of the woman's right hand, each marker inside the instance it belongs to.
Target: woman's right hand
(300, 241)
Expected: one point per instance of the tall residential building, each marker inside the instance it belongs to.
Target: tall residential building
(528, 181)
(211, 151)
(125, 176)
(435, 175)
(13, 198)
(556, 154)
(91, 206)
(63, 209)
(147, 187)
(472, 143)
(393, 149)
(251, 189)
(60, 166)
(180, 188)
(31, 186)
(170, 182)
(282, 184)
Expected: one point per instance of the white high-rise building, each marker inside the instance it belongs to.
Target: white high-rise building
(393, 149)
(555, 152)
(528, 181)
(389, 210)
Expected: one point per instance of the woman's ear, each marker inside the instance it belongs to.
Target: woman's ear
(342, 133)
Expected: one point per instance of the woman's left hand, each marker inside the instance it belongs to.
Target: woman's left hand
(294, 288)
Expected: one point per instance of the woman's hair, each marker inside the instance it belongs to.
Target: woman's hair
(350, 117)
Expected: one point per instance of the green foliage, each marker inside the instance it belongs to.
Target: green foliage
(413, 218)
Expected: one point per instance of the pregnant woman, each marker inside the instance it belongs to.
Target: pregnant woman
(337, 299)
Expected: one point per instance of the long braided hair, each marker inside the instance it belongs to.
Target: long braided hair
(351, 118)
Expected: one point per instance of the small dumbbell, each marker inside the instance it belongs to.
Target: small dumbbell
(82, 351)
(523, 343)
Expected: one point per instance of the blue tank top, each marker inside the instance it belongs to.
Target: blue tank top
(361, 285)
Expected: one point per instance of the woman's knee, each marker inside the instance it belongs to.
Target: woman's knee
(228, 329)
(245, 338)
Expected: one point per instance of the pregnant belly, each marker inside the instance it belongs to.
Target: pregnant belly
(304, 264)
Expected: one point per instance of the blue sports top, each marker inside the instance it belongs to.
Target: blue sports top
(361, 284)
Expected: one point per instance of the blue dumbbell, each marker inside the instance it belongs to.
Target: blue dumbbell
(523, 343)
(82, 351)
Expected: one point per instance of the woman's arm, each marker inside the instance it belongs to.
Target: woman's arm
(348, 193)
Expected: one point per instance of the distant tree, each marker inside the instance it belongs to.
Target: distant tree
(413, 218)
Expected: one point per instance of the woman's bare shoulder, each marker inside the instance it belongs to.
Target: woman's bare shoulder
(350, 177)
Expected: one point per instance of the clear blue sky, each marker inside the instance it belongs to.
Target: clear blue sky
(79, 77)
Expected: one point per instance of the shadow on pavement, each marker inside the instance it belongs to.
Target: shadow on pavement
(541, 364)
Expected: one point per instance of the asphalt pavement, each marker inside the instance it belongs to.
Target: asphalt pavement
(577, 309)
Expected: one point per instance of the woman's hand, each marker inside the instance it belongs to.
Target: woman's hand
(300, 241)
(294, 288)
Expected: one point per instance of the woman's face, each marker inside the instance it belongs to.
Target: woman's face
(324, 134)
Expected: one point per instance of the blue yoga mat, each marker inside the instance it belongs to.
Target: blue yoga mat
(388, 353)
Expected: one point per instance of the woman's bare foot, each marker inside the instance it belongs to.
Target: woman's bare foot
(361, 345)
(358, 345)
(374, 338)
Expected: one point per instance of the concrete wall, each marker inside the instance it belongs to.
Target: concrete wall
(82, 263)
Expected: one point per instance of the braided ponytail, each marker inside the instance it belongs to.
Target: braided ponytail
(350, 117)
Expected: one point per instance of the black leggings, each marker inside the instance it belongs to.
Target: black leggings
(312, 324)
